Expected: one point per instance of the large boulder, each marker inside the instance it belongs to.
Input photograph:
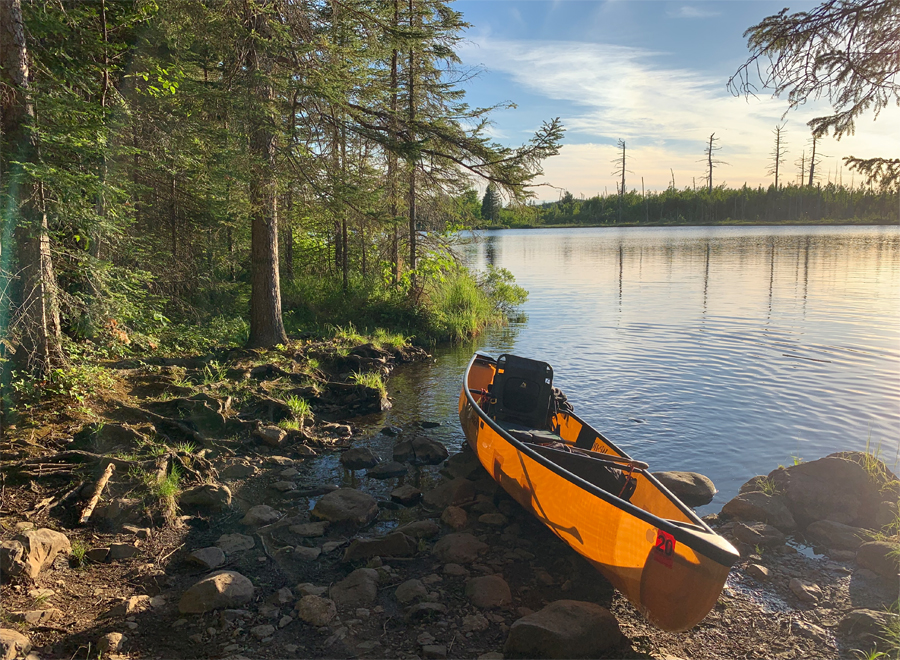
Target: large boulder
(835, 535)
(32, 551)
(759, 506)
(428, 451)
(210, 496)
(358, 589)
(882, 557)
(563, 629)
(13, 644)
(261, 514)
(222, 590)
(830, 488)
(459, 549)
(347, 506)
(690, 487)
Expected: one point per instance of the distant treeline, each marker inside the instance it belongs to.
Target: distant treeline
(787, 204)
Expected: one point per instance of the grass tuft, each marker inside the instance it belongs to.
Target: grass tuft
(371, 380)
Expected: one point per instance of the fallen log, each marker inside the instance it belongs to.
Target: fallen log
(101, 484)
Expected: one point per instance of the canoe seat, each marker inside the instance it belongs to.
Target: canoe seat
(521, 391)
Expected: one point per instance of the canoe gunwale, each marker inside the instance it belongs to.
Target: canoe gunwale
(719, 554)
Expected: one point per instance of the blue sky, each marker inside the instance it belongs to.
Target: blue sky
(650, 72)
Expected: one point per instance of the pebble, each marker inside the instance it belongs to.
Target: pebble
(262, 631)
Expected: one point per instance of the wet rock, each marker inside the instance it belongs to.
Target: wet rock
(406, 495)
(309, 530)
(263, 631)
(403, 451)
(13, 644)
(759, 506)
(207, 496)
(32, 551)
(493, 519)
(411, 590)
(421, 611)
(757, 534)
(284, 486)
(428, 451)
(690, 487)
(395, 544)
(429, 425)
(346, 505)
(302, 553)
(880, 557)
(866, 628)
(222, 590)
(758, 572)
(119, 551)
(239, 471)
(805, 591)
(420, 529)
(387, 470)
(464, 464)
(359, 458)
(111, 643)
(391, 431)
(832, 488)
(456, 491)
(315, 610)
(208, 558)
(271, 435)
(459, 548)
(488, 591)
(289, 473)
(835, 535)
(358, 589)
(455, 517)
(232, 543)
(563, 629)
(97, 555)
(261, 514)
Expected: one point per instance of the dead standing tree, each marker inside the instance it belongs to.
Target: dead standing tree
(778, 153)
(619, 172)
(709, 156)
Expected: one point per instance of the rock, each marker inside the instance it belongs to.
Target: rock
(309, 589)
(302, 553)
(239, 471)
(316, 611)
(455, 517)
(753, 485)
(358, 589)
(119, 551)
(208, 558)
(403, 451)
(232, 543)
(758, 573)
(346, 505)
(391, 431)
(225, 589)
(880, 557)
(359, 458)
(306, 451)
(493, 519)
(830, 488)
(835, 535)
(420, 529)
(271, 435)
(456, 491)
(455, 570)
(387, 470)
(262, 631)
(765, 508)
(395, 544)
(97, 555)
(285, 621)
(474, 623)
(563, 629)
(425, 610)
(129, 606)
(434, 651)
(289, 473)
(32, 551)
(459, 549)
(406, 495)
(111, 643)
(690, 487)
(261, 514)
(309, 530)
(207, 496)
(13, 644)
(429, 425)
(411, 590)
(284, 486)
(142, 533)
(464, 464)
(36, 617)
(428, 451)
(805, 591)
(866, 628)
(488, 591)
(757, 534)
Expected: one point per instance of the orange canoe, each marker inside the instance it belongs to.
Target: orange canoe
(596, 498)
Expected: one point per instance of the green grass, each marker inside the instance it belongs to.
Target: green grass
(289, 425)
(370, 379)
(299, 407)
(767, 485)
(167, 488)
(79, 550)
(213, 373)
(185, 447)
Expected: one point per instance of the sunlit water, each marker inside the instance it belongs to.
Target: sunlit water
(726, 351)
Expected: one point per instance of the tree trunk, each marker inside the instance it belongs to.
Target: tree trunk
(392, 160)
(37, 316)
(288, 233)
(266, 325)
(412, 137)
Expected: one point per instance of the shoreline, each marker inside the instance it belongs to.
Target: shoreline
(840, 223)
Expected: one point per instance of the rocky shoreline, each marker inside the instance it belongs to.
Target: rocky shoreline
(425, 557)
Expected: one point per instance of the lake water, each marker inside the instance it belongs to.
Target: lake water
(722, 350)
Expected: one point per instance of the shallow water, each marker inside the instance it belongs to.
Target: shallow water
(723, 350)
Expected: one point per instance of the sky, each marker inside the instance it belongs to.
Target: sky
(652, 73)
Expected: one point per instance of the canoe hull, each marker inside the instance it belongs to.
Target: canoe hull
(672, 584)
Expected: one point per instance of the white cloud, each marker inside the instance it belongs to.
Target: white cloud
(687, 11)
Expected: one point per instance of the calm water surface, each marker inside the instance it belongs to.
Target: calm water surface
(725, 351)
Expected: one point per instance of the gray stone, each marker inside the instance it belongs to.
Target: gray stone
(208, 558)
(262, 631)
(805, 591)
(32, 551)
(309, 530)
(359, 458)
(97, 555)
(835, 535)
(129, 606)
(455, 570)
(305, 450)
(420, 529)
(690, 487)
(455, 517)
(358, 589)
(434, 651)
(261, 514)
(284, 486)
(493, 519)
(309, 589)
(315, 610)
(406, 495)
(428, 451)
(119, 551)
(111, 643)
(225, 589)
(563, 629)
(346, 505)
(36, 617)
(866, 628)
(411, 590)
(488, 591)
(239, 471)
(208, 496)
(140, 532)
(289, 473)
(271, 435)
(13, 644)
(464, 464)
(456, 491)
(395, 544)
(403, 451)
(459, 549)
(758, 572)
(882, 557)
(757, 534)
(765, 508)
(387, 470)
(232, 543)
(302, 553)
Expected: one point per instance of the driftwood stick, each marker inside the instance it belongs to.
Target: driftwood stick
(101, 484)
(65, 498)
(77, 456)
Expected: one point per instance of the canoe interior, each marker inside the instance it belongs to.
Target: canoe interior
(653, 548)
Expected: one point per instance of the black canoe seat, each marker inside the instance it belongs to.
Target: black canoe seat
(521, 391)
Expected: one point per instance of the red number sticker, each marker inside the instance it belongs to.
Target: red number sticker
(664, 549)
